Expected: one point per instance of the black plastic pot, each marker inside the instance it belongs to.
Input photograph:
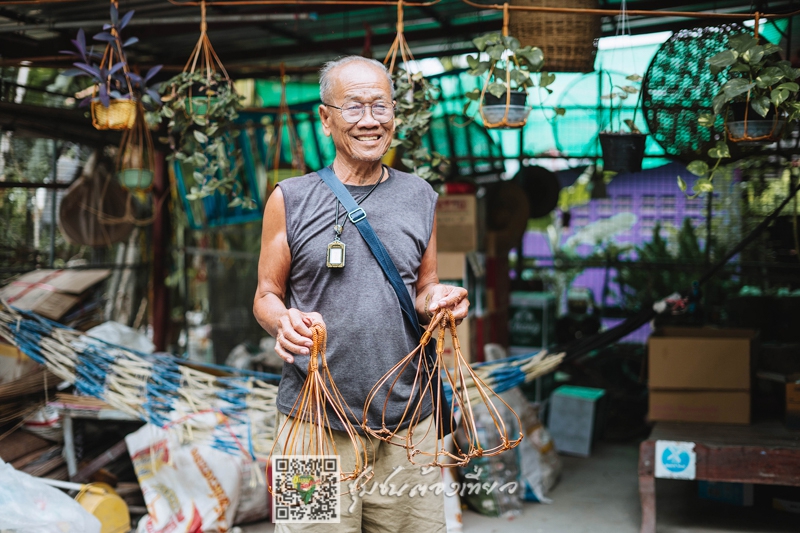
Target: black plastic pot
(517, 98)
(622, 152)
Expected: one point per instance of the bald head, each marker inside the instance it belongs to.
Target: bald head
(328, 73)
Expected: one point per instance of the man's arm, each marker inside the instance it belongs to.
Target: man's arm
(432, 295)
(290, 327)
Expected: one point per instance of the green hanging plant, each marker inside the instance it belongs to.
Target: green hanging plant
(761, 83)
(200, 113)
(413, 114)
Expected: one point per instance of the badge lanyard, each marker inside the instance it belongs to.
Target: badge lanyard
(336, 249)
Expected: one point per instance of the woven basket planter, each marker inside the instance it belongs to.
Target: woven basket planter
(567, 40)
(119, 115)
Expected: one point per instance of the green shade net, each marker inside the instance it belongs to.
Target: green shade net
(679, 87)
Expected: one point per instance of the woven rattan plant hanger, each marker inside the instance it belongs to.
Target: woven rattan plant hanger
(205, 59)
(429, 387)
(400, 45)
(307, 426)
(504, 123)
(136, 148)
(295, 145)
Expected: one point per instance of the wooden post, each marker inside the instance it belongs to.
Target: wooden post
(160, 302)
(647, 486)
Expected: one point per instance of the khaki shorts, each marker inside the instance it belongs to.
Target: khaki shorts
(399, 498)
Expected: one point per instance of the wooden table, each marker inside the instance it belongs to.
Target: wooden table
(763, 453)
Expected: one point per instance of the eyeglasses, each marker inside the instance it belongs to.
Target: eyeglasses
(352, 112)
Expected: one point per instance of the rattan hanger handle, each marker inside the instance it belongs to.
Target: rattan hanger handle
(319, 338)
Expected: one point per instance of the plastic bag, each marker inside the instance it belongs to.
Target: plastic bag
(29, 506)
(122, 335)
(187, 487)
(538, 460)
(489, 485)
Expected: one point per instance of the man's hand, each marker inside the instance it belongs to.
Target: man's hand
(447, 297)
(294, 333)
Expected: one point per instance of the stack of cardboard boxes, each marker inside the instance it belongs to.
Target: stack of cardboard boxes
(701, 375)
(457, 236)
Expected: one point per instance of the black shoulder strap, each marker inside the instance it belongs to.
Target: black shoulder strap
(359, 219)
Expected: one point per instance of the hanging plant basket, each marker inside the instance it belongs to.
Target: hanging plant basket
(119, 115)
(507, 66)
(136, 155)
(623, 152)
(416, 96)
(567, 39)
(747, 127)
(201, 106)
(496, 114)
(296, 166)
(136, 178)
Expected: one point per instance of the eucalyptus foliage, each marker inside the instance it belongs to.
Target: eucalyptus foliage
(200, 132)
(506, 63)
(416, 98)
(759, 78)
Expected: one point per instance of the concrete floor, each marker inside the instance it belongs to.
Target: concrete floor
(600, 495)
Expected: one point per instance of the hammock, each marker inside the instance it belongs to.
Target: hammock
(164, 390)
(159, 388)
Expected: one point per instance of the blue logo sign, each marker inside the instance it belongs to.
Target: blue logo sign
(675, 459)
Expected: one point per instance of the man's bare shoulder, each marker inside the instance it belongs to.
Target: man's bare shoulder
(299, 181)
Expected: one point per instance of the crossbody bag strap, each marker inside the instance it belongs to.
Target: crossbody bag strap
(358, 217)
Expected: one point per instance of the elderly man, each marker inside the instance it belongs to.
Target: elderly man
(301, 282)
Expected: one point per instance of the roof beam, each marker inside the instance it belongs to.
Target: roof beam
(460, 33)
(435, 15)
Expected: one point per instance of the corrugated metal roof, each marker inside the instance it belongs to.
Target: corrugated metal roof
(315, 33)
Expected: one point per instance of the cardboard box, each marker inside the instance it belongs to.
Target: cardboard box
(701, 359)
(51, 293)
(457, 223)
(532, 320)
(715, 407)
(466, 340)
(451, 265)
(13, 363)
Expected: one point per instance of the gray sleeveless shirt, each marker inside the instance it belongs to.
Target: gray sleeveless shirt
(367, 333)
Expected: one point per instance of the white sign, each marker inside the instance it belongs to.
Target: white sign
(676, 460)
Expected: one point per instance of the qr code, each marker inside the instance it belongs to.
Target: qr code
(305, 489)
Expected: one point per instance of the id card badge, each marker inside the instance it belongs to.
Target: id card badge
(336, 254)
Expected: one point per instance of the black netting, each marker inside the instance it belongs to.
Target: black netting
(679, 86)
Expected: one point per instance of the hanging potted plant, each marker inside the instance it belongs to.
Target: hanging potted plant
(415, 100)
(111, 96)
(757, 102)
(761, 96)
(200, 106)
(416, 97)
(502, 98)
(623, 151)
